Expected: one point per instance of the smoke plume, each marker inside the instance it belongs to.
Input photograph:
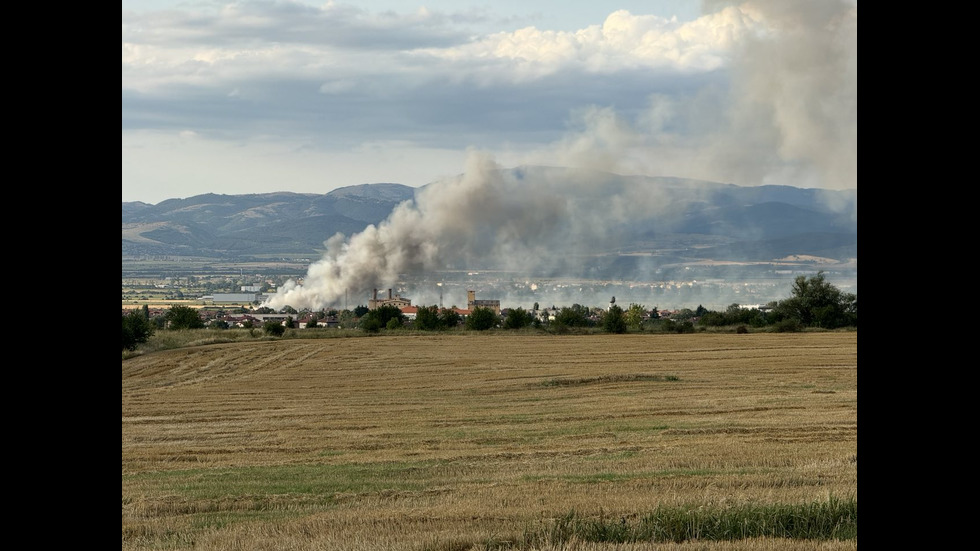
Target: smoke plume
(787, 117)
(531, 220)
(791, 115)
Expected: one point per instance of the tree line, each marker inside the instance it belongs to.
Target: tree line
(813, 302)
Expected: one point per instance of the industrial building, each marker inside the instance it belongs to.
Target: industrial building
(392, 300)
(233, 298)
(472, 303)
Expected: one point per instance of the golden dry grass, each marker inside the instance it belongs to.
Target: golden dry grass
(456, 442)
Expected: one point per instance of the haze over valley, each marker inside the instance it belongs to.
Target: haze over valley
(522, 235)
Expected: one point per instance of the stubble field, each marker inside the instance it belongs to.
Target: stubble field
(454, 442)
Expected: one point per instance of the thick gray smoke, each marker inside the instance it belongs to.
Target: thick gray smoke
(789, 117)
(791, 112)
(513, 220)
(787, 114)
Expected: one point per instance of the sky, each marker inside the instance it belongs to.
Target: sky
(308, 96)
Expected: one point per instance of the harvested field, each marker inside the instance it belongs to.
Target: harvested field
(475, 441)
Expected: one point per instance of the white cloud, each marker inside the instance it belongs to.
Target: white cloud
(764, 92)
(623, 41)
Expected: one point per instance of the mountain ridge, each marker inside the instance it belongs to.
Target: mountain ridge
(711, 219)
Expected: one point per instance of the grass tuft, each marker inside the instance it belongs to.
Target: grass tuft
(834, 519)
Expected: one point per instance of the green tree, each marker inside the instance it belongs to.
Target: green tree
(427, 318)
(634, 316)
(614, 320)
(274, 328)
(686, 314)
(574, 316)
(312, 323)
(346, 320)
(714, 319)
(481, 319)
(450, 318)
(136, 329)
(183, 317)
(517, 318)
(288, 310)
(370, 324)
(817, 303)
(360, 311)
(290, 323)
(382, 315)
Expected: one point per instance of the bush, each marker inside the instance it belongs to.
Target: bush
(614, 321)
(790, 325)
(136, 329)
(274, 328)
(684, 327)
(382, 315)
(481, 319)
(183, 317)
(714, 319)
(517, 318)
(427, 318)
(741, 329)
(574, 316)
(371, 325)
(450, 318)
(816, 303)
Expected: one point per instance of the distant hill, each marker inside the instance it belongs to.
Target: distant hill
(229, 226)
(706, 220)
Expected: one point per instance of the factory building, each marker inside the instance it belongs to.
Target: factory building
(233, 298)
(472, 303)
(392, 300)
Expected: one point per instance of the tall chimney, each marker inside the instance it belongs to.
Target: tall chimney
(389, 294)
(375, 294)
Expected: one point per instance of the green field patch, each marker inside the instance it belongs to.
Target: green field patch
(331, 453)
(322, 481)
(222, 519)
(613, 456)
(633, 377)
(627, 427)
(833, 519)
(594, 478)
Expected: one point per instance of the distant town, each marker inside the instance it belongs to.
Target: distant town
(236, 300)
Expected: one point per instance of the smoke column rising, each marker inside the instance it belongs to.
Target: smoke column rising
(789, 117)
(792, 108)
(528, 220)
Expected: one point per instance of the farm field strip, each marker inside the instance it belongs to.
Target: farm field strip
(402, 442)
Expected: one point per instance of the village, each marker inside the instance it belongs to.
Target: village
(243, 310)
